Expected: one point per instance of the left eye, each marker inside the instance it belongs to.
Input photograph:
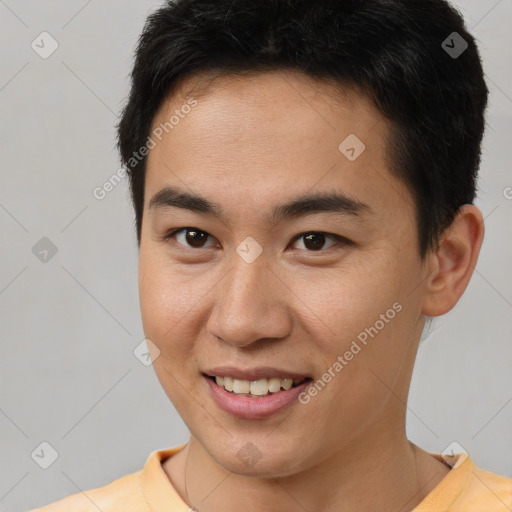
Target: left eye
(314, 240)
(195, 238)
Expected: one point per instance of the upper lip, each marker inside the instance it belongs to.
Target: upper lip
(262, 372)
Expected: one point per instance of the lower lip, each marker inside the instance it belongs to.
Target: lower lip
(254, 408)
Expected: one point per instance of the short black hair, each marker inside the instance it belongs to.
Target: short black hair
(408, 56)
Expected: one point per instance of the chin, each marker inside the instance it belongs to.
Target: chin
(258, 460)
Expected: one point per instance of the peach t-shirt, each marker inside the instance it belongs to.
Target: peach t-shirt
(465, 488)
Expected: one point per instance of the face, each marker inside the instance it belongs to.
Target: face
(233, 284)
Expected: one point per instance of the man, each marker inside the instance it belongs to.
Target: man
(302, 175)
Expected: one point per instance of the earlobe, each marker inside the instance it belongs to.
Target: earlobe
(454, 261)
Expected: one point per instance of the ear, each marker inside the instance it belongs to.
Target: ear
(451, 265)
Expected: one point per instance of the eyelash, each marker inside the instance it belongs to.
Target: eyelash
(167, 238)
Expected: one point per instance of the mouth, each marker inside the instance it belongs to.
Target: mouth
(255, 399)
(257, 389)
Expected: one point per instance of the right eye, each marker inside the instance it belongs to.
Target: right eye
(189, 237)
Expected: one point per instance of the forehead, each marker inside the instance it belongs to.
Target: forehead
(275, 131)
(270, 92)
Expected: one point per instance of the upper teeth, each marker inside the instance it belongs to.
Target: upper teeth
(255, 387)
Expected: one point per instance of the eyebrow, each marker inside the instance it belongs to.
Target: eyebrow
(331, 202)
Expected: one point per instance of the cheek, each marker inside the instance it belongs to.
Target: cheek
(345, 302)
(361, 316)
(167, 305)
(166, 298)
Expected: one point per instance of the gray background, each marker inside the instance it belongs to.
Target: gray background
(68, 375)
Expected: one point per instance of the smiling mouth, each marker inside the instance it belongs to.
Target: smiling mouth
(256, 388)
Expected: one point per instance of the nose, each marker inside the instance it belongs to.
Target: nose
(251, 303)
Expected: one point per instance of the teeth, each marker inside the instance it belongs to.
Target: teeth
(256, 387)
(287, 383)
(228, 383)
(259, 387)
(274, 385)
(241, 386)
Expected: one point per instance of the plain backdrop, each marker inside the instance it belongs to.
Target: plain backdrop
(69, 310)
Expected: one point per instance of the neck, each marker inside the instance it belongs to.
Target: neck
(398, 474)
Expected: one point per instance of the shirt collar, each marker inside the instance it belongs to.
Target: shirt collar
(451, 486)
(160, 494)
(157, 489)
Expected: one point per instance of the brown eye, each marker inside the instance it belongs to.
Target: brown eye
(315, 240)
(190, 237)
(194, 238)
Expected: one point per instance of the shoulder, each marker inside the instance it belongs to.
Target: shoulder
(488, 491)
(135, 492)
(125, 494)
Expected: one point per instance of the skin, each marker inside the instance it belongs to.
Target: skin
(252, 143)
